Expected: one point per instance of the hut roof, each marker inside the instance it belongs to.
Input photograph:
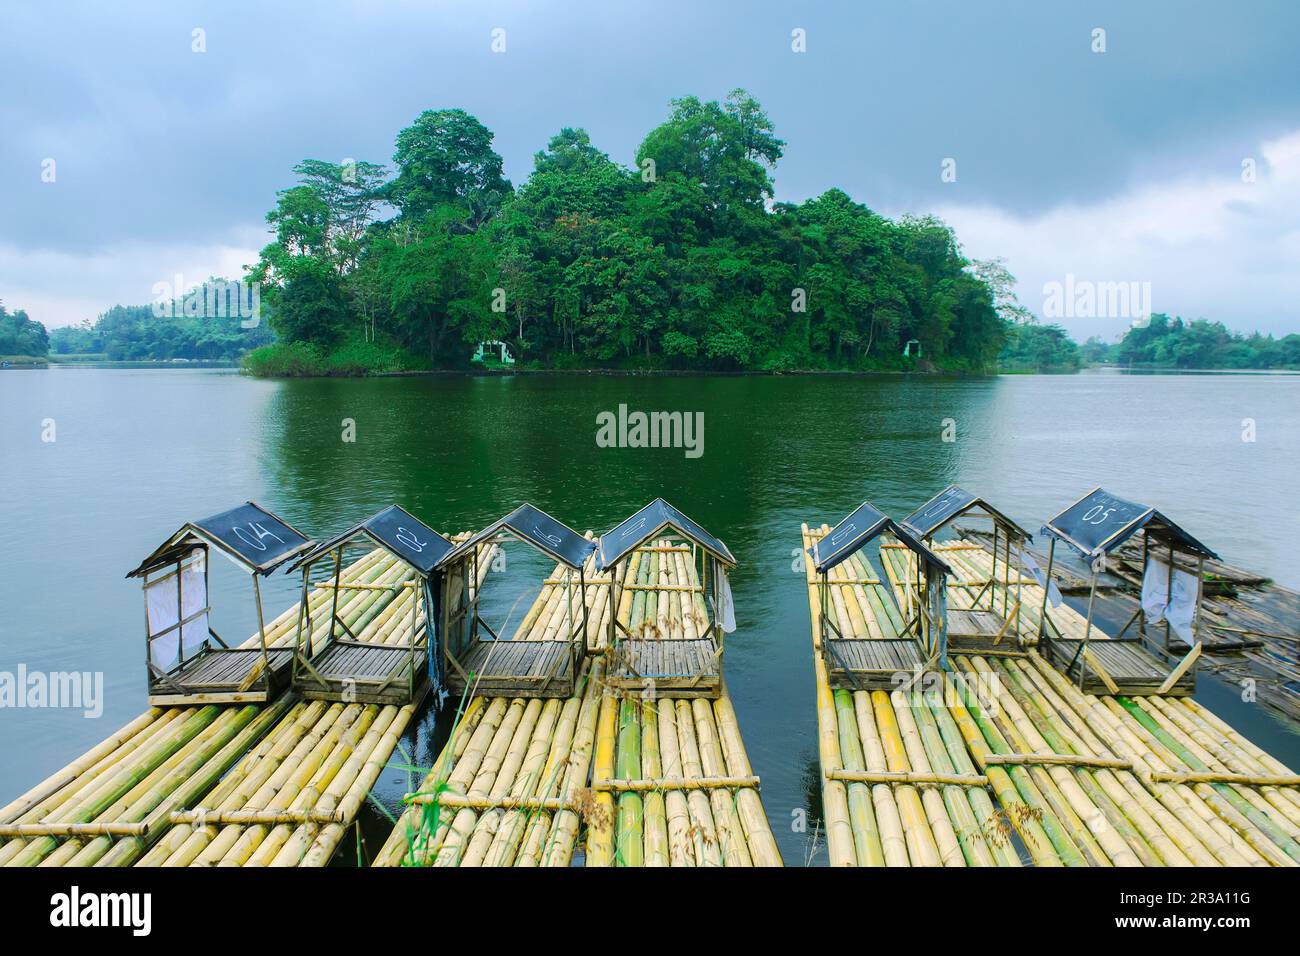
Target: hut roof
(857, 530)
(1100, 522)
(395, 530)
(632, 532)
(249, 535)
(950, 504)
(537, 528)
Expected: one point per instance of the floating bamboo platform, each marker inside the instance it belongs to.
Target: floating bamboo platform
(275, 784)
(510, 786)
(672, 782)
(1249, 627)
(1105, 666)
(515, 784)
(1002, 761)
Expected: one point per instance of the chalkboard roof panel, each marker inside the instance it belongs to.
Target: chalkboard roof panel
(248, 534)
(535, 527)
(408, 537)
(860, 528)
(952, 503)
(395, 530)
(629, 534)
(1100, 522)
(852, 533)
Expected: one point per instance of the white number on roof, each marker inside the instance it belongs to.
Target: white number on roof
(410, 539)
(254, 540)
(1098, 515)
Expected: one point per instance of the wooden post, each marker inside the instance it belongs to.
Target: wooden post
(1084, 657)
(1047, 584)
(993, 571)
(334, 601)
(415, 621)
(1006, 570)
(261, 633)
(1141, 610)
(1169, 592)
(180, 618)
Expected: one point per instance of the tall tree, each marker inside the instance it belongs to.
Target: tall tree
(446, 156)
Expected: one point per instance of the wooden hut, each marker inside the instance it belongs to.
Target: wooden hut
(1132, 662)
(669, 664)
(990, 623)
(862, 662)
(344, 665)
(476, 656)
(187, 661)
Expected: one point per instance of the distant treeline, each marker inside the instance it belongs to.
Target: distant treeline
(1033, 347)
(127, 333)
(680, 261)
(20, 335)
(1167, 342)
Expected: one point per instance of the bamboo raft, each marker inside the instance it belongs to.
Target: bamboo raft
(515, 786)
(672, 782)
(1249, 626)
(1124, 664)
(1001, 761)
(275, 784)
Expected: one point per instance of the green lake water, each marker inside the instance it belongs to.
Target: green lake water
(138, 452)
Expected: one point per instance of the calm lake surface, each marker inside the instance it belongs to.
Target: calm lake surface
(139, 452)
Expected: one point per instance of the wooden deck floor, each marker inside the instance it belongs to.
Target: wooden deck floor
(672, 668)
(221, 674)
(977, 629)
(519, 667)
(357, 672)
(1136, 671)
(871, 664)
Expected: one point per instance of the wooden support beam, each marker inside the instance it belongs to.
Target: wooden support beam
(664, 587)
(909, 777)
(1188, 660)
(202, 817)
(459, 801)
(1053, 760)
(1217, 776)
(73, 829)
(344, 586)
(676, 783)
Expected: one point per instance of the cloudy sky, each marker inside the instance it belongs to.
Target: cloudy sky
(1122, 166)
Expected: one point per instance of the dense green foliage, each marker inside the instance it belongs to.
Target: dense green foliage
(353, 357)
(1033, 347)
(1172, 343)
(682, 261)
(135, 333)
(20, 335)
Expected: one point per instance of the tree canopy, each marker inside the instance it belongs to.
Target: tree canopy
(20, 335)
(682, 260)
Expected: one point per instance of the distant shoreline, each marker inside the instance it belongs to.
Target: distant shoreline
(651, 373)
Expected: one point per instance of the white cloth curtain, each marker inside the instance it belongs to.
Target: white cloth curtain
(164, 612)
(1179, 608)
(728, 608)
